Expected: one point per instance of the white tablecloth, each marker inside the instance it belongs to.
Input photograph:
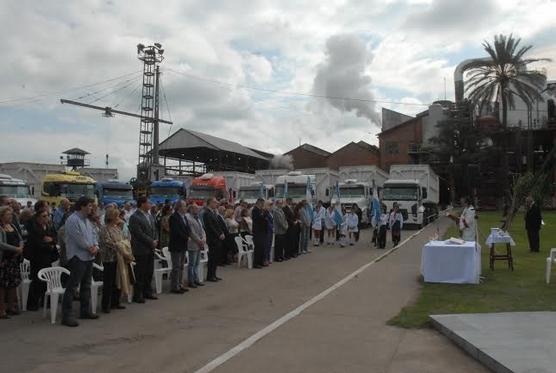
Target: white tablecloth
(449, 263)
(499, 237)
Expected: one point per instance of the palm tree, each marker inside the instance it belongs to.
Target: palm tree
(502, 78)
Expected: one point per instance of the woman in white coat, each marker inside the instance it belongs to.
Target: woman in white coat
(318, 222)
(352, 222)
(330, 225)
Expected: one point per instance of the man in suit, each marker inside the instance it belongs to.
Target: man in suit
(225, 249)
(215, 238)
(179, 235)
(280, 230)
(533, 221)
(144, 240)
(259, 232)
(291, 249)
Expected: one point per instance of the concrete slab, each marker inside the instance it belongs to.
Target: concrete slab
(516, 342)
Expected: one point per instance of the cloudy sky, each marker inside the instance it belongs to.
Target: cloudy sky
(239, 69)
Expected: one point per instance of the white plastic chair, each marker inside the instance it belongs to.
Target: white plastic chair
(95, 286)
(203, 263)
(551, 259)
(243, 252)
(52, 277)
(23, 289)
(249, 240)
(159, 271)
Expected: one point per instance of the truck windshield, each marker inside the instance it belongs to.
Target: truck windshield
(201, 192)
(294, 191)
(165, 192)
(400, 193)
(118, 193)
(352, 191)
(15, 191)
(249, 193)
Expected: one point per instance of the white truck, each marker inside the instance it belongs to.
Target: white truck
(17, 189)
(415, 187)
(235, 180)
(324, 179)
(294, 185)
(358, 185)
(250, 193)
(353, 192)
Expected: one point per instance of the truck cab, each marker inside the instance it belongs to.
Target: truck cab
(16, 189)
(166, 189)
(251, 193)
(296, 186)
(353, 192)
(207, 186)
(114, 191)
(71, 185)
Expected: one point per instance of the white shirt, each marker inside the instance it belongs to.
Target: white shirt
(467, 224)
(352, 220)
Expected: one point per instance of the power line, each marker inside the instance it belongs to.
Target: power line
(292, 93)
(130, 82)
(167, 106)
(129, 95)
(16, 99)
(112, 86)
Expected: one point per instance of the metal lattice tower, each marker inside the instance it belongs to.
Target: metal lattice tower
(148, 132)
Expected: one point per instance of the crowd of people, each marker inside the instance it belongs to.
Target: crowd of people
(123, 241)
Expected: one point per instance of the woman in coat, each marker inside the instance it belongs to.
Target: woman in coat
(41, 251)
(11, 247)
(110, 243)
(319, 216)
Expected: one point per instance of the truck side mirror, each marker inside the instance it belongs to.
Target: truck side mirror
(424, 192)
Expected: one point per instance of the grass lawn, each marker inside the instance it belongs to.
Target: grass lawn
(524, 289)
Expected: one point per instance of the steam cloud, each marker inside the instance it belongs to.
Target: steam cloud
(282, 161)
(342, 74)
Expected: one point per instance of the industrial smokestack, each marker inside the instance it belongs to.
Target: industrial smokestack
(458, 76)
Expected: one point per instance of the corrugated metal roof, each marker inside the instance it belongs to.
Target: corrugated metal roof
(183, 139)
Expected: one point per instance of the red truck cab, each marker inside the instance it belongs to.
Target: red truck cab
(207, 186)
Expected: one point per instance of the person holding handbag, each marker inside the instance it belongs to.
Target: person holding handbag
(110, 243)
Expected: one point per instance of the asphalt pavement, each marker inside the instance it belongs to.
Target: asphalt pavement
(345, 331)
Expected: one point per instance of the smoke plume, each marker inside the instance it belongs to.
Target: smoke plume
(282, 161)
(342, 74)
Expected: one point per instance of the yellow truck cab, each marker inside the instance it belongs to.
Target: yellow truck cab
(69, 184)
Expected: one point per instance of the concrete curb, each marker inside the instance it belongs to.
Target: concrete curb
(469, 348)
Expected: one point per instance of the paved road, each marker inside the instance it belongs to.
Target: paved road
(345, 332)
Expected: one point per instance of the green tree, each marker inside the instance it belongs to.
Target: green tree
(502, 78)
(458, 145)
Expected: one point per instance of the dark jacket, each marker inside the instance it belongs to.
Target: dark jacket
(290, 218)
(179, 233)
(260, 224)
(143, 233)
(222, 224)
(212, 227)
(36, 248)
(533, 218)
